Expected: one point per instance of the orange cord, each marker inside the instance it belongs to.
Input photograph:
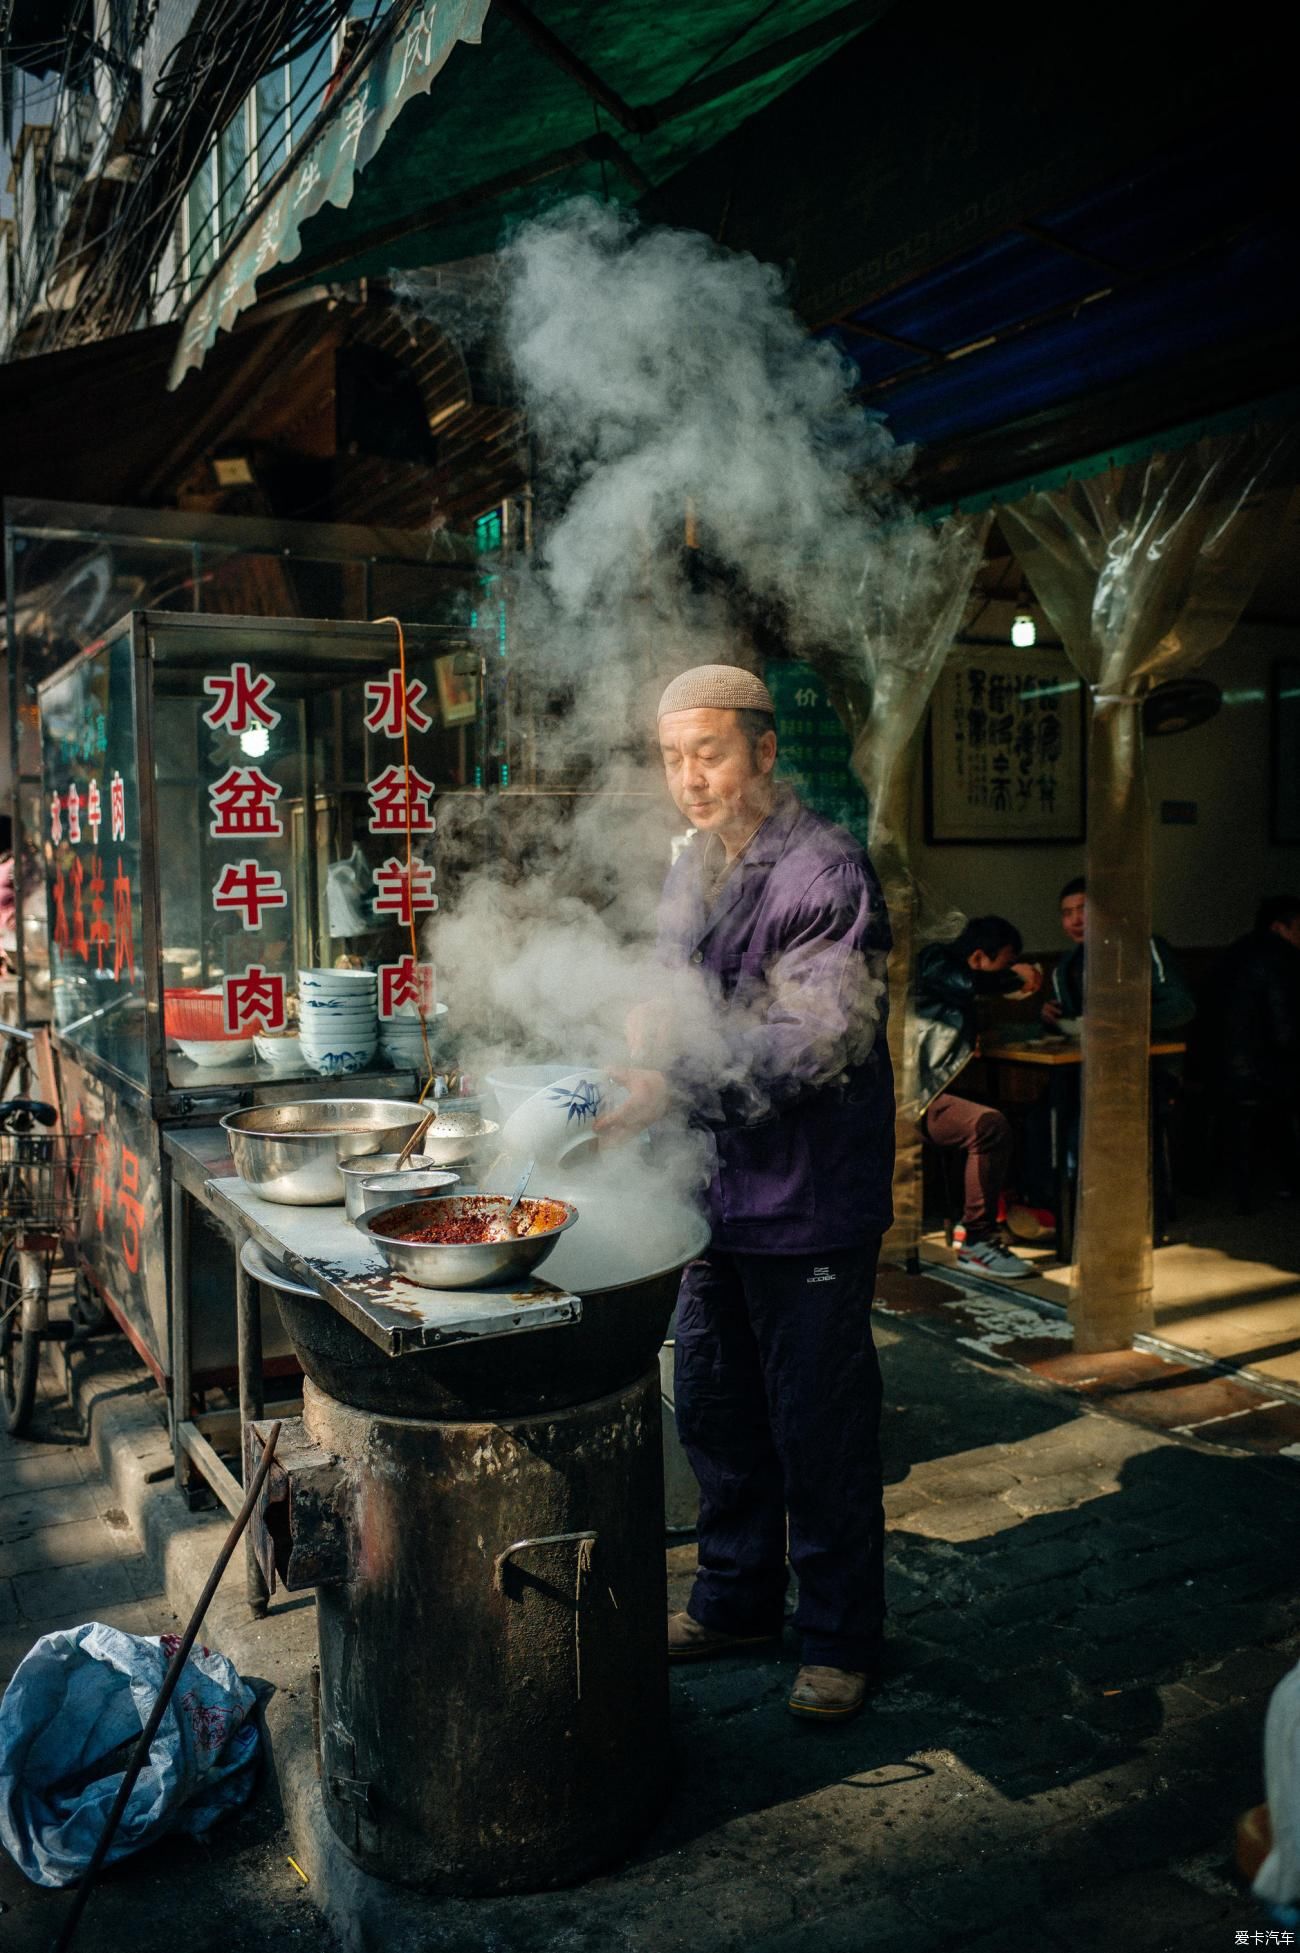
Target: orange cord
(410, 893)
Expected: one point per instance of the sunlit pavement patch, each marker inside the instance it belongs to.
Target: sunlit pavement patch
(1188, 1400)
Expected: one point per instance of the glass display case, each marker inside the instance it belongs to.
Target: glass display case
(226, 806)
(239, 829)
(73, 570)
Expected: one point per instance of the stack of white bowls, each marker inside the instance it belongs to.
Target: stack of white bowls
(338, 1019)
(401, 1039)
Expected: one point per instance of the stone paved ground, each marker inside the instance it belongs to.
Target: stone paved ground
(67, 1555)
(1087, 1621)
(1165, 1388)
(1088, 1617)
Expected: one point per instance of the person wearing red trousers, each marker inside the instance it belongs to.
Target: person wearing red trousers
(984, 960)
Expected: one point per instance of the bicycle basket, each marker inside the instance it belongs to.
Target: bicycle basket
(41, 1178)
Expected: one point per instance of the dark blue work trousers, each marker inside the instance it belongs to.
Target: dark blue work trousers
(777, 1388)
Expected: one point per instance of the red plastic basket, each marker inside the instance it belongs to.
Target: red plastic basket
(196, 1014)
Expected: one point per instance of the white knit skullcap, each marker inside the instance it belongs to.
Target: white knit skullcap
(721, 688)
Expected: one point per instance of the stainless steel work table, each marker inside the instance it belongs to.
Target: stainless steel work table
(320, 1247)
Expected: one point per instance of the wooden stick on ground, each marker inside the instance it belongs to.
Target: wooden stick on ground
(170, 1679)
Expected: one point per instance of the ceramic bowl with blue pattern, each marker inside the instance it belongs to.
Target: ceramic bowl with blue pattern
(560, 1119)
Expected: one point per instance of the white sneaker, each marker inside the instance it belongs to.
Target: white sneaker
(988, 1258)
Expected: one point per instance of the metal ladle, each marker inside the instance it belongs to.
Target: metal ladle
(518, 1193)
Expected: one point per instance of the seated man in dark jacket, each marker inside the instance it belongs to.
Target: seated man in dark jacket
(1172, 1003)
(1172, 1009)
(950, 979)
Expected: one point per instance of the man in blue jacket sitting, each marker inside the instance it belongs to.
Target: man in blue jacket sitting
(774, 940)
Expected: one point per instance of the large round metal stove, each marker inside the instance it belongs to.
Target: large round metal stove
(494, 1693)
(483, 1524)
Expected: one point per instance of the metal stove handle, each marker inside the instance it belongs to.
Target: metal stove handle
(503, 1560)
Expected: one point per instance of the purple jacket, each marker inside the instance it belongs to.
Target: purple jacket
(789, 1068)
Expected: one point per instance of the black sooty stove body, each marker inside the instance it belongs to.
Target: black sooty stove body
(488, 1559)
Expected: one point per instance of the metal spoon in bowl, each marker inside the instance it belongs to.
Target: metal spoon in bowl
(501, 1227)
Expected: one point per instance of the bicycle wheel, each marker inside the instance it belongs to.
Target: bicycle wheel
(20, 1349)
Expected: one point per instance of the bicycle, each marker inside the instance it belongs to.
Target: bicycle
(39, 1175)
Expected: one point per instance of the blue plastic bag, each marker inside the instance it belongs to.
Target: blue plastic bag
(76, 1705)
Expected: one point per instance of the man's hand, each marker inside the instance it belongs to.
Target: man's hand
(647, 1101)
(648, 1028)
(1031, 979)
(1052, 1012)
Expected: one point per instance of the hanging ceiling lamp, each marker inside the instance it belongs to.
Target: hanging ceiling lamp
(1024, 625)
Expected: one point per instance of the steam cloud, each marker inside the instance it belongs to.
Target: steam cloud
(659, 375)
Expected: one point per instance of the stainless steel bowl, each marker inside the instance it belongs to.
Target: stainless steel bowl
(453, 1149)
(292, 1153)
(259, 1264)
(477, 1264)
(378, 1182)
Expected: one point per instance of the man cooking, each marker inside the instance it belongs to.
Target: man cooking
(778, 917)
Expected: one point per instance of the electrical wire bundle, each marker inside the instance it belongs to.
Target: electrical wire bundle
(201, 86)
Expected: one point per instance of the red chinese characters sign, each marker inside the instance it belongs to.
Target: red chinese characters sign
(123, 944)
(128, 1199)
(77, 876)
(243, 803)
(246, 805)
(100, 934)
(403, 896)
(404, 983)
(240, 698)
(385, 697)
(254, 1001)
(399, 799)
(247, 891)
(116, 1181)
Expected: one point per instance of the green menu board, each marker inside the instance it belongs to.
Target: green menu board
(813, 747)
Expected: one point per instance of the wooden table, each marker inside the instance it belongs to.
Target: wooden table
(1063, 1057)
(1038, 1051)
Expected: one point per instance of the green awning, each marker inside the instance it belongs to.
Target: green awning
(610, 97)
(322, 174)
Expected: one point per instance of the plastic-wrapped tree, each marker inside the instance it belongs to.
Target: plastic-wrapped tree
(1142, 570)
(913, 594)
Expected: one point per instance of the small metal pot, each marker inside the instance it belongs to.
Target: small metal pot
(469, 1264)
(378, 1182)
(292, 1153)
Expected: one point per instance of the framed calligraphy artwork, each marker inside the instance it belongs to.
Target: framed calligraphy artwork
(1004, 750)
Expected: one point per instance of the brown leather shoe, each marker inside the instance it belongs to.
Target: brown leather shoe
(689, 1640)
(828, 1694)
